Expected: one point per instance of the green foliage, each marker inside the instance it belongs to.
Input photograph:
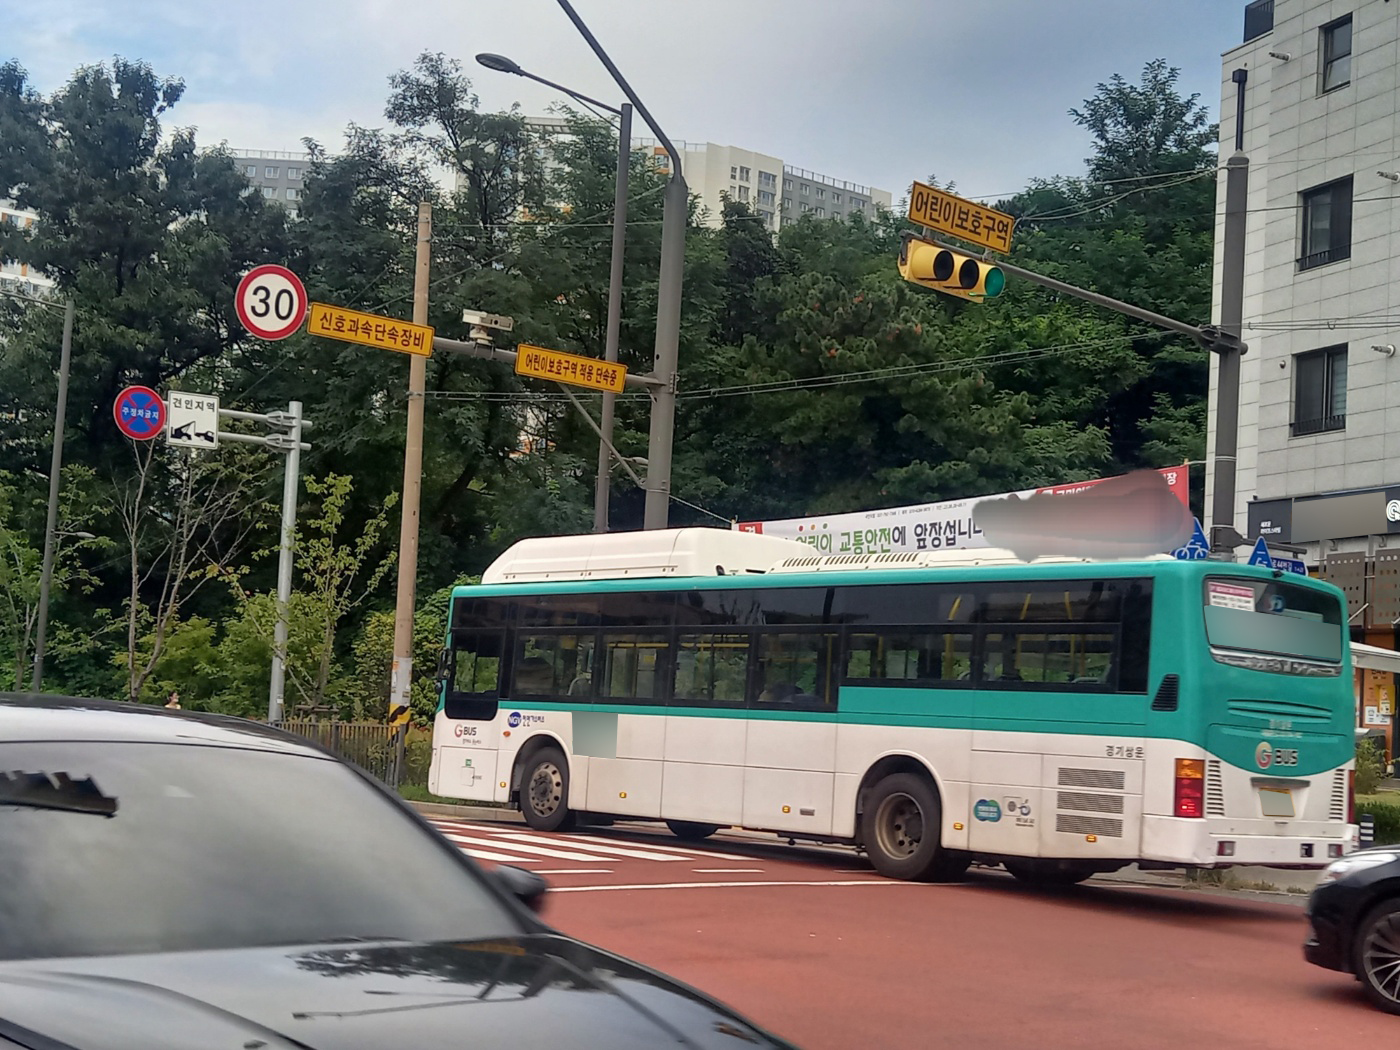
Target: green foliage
(1370, 767)
(1385, 813)
(812, 378)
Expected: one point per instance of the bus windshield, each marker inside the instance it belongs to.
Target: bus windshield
(1273, 617)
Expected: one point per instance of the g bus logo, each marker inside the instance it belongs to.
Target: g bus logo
(1267, 755)
(514, 720)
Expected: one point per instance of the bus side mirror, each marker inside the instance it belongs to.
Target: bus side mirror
(444, 669)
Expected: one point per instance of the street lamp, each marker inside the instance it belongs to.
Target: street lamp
(668, 299)
(603, 489)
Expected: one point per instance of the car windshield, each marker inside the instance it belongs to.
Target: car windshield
(214, 847)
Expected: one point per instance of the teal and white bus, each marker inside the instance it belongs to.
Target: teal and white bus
(1062, 717)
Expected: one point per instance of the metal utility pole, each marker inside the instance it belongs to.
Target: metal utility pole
(291, 484)
(668, 302)
(55, 474)
(1223, 535)
(401, 681)
(603, 491)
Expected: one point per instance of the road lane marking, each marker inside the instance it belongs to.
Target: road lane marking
(573, 871)
(730, 885)
(486, 854)
(621, 851)
(727, 871)
(521, 847)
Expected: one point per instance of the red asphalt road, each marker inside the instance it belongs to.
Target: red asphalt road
(987, 963)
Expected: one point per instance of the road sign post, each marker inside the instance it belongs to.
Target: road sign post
(290, 484)
(139, 413)
(192, 420)
(271, 302)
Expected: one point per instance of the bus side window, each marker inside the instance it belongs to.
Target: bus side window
(796, 669)
(553, 665)
(477, 663)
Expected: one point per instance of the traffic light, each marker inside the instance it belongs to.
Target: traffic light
(945, 271)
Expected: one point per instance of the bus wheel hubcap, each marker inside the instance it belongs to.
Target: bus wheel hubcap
(899, 824)
(546, 789)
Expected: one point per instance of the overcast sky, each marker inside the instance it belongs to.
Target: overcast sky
(873, 91)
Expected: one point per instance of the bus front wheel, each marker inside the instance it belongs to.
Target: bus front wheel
(901, 825)
(544, 791)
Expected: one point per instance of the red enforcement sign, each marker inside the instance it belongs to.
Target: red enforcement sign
(271, 302)
(139, 412)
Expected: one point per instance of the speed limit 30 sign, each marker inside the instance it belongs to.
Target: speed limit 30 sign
(271, 302)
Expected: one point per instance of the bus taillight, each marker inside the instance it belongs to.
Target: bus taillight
(1190, 787)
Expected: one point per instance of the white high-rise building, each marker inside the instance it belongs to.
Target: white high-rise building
(777, 192)
(16, 275)
(277, 174)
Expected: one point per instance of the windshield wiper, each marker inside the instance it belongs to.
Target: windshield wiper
(55, 791)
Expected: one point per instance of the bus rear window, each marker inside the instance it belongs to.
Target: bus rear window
(1273, 616)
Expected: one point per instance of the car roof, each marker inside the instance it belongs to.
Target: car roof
(35, 717)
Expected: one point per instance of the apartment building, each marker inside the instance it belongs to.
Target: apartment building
(277, 174)
(1309, 97)
(17, 276)
(777, 192)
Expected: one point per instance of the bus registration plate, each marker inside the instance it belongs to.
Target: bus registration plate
(1276, 802)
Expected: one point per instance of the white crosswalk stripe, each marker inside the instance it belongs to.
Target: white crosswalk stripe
(515, 844)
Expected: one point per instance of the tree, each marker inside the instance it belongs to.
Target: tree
(22, 558)
(149, 238)
(184, 518)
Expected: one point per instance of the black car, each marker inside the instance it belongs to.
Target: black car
(179, 880)
(1354, 912)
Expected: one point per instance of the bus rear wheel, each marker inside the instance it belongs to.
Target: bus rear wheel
(544, 791)
(1046, 873)
(690, 830)
(900, 828)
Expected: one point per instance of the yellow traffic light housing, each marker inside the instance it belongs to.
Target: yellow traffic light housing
(947, 271)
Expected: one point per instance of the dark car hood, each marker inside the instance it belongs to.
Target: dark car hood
(531, 991)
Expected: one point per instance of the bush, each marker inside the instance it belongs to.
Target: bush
(1370, 767)
(1386, 815)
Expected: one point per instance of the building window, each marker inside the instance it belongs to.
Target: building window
(765, 196)
(1320, 391)
(744, 174)
(821, 213)
(806, 189)
(787, 204)
(292, 194)
(821, 194)
(836, 197)
(1326, 224)
(743, 193)
(251, 170)
(270, 171)
(269, 191)
(767, 178)
(1334, 55)
(293, 173)
(733, 174)
(857, 204)
(806, 206)
(787, 184)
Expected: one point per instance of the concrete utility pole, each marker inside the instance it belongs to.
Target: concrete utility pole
(291, 484)
(402, 676)
(602, 495)
(1224, 537)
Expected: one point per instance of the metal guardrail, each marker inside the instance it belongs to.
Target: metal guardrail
(370, 745)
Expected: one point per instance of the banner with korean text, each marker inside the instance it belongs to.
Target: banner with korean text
(922, 527)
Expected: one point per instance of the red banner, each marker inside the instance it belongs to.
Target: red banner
(1176, 477)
